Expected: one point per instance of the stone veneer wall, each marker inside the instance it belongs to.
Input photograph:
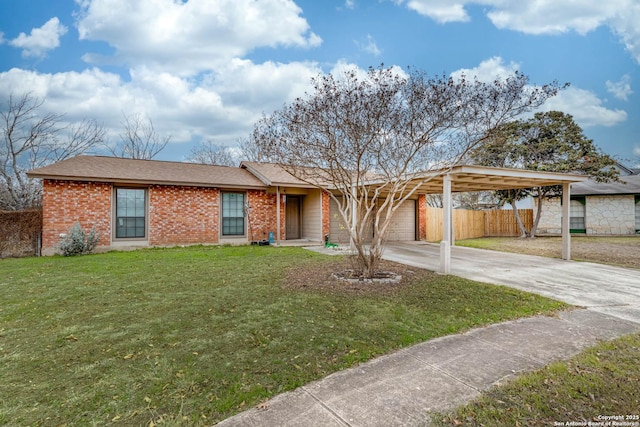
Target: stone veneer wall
(608, 215)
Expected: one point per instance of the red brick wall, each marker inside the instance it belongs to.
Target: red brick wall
(262, 216)
(422, 217)
(177, 214)
(66, 202)
(183, 215)
(326, 216)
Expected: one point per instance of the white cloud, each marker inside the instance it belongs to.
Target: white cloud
(442, 11)
(188, 37)
(488, 70)
(221, 107)
(41, 40)
(625, 25)
(341, 69)
(369, 46)
(544, 16)
(350, 4)
(585, 107)
(186, 66)
(620, 89)
(552, 17)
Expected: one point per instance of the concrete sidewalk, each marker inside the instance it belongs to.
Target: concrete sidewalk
(400, 389)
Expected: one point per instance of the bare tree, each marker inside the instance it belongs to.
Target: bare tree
(368, 141)
(251, 150)
(209, 153)
(139, 139)
(31, 140)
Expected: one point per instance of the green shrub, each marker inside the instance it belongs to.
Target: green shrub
(77, 242)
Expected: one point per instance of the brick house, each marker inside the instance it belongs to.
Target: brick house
(138, 203)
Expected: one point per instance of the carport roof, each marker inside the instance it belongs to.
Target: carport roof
(464, 178)
(479, 178)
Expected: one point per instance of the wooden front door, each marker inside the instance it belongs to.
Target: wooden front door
(292, 217)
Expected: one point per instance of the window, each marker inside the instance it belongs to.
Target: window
(233, 214)
(576, 215)
(130, 213)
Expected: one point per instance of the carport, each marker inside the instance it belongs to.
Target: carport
(460, 179)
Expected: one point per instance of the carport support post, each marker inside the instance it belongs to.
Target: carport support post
(566, 223)
(445, 244)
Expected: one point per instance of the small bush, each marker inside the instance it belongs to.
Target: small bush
(77, 242)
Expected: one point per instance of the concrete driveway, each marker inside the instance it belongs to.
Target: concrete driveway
(602, 288)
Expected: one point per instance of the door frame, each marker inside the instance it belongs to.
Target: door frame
(297, 218)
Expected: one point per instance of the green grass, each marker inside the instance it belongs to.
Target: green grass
(190, 336)
(492, 243)
(602, 381)
(623, 251)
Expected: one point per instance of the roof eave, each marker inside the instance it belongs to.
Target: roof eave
(257, 174)
(125, 181)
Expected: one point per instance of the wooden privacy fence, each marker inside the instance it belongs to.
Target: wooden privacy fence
(468, 224)
(503, 223)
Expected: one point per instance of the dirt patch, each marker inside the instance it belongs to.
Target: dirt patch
(356, 276)
(320, 277)
(621, 251)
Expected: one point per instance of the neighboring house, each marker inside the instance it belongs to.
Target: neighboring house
(136, 203)
(611, 208)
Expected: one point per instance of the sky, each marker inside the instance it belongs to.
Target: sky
(207, 70)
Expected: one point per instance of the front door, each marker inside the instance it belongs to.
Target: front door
(292, 217)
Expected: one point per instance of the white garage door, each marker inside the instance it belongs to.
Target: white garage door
(403, 223)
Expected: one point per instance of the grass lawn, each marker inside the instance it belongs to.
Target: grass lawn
(602, 381)
(623, 251)
(190, 336)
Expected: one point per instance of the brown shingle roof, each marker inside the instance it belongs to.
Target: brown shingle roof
(273, 174)
(629, 184)
(113, 169)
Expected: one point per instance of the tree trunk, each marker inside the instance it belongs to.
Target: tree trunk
(536, 220)
(516, 213)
